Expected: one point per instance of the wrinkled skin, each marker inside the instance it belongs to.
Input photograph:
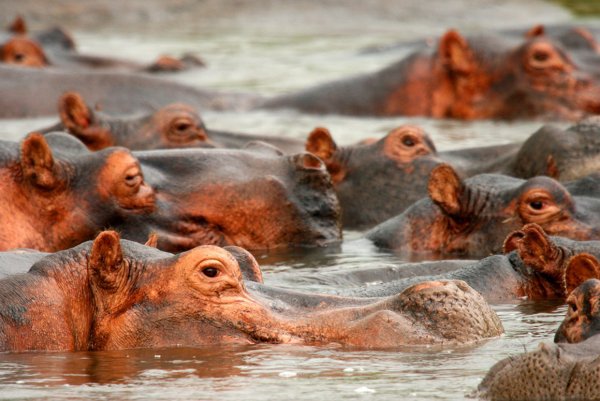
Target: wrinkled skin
(471, 218)
(552, 372)
(31, 92)
(176, 125)
(249, 198)
(378, 180)
(54, 199)
(113, 294)
(536, 266)
(487, 77)
(55, 47)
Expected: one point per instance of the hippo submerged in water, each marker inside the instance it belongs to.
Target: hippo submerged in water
(485, 77)
(471, 218)
(53, 199)
(258, 199)
(535, 266)
(56, 47)
(561, 371)
(113, 294)
(176, 125)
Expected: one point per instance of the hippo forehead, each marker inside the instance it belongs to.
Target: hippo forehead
(494, 183)
(65, 144)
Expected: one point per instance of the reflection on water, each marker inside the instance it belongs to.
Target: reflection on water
(270, 64)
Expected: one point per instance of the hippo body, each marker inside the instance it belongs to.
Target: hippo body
(55, 198)
(470, 219)
(115, 294)
(536, 266)
(484, 77)
(113, 92)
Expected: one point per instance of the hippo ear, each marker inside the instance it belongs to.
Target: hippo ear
(512, 241)
(18, 26)
(537, 250)
(321, 144)
(537, 30)
(580, 268)
(445, 189)
(37, 162)
(78, 119)
(152, 240)
(248, 265)
(107, 273)
(455, 53)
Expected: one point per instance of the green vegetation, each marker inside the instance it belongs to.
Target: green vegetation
(581, 7)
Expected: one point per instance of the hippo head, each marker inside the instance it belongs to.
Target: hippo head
(22, 51)
(485, 77)
(254, 199)
(142, 298)
(565, 154)
(583, 315)
(471, 218)
(552, 266)
(53, 199)
(174, 126)
(378, 179)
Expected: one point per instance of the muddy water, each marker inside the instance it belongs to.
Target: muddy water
(259, 58)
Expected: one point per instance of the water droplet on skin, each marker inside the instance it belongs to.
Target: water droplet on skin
(288, 374)
(157, 356)
(348, 370)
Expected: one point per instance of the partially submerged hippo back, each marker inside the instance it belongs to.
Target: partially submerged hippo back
(113, 294)
(471, 218)
(55, 198)
(378, 180)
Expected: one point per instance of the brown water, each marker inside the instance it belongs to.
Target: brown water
(273, 56)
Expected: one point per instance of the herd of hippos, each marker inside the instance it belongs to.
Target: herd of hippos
(185, 203)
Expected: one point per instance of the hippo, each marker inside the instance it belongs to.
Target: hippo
(176, 125)
(484, 77)
(379, 180)
(470, 218)
(53, 199)
(114, 294)
(534, 265)
(256, 199)
(32, 92)
(566, 154)
(56, 47)
(567, 370)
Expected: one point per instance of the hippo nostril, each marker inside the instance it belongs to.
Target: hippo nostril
(19, 57)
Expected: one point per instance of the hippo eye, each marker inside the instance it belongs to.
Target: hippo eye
(536, 205)
(182, 126)
(540, 56)
(210, 272)
(408, 141)
(133, 180)
(19, 57)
